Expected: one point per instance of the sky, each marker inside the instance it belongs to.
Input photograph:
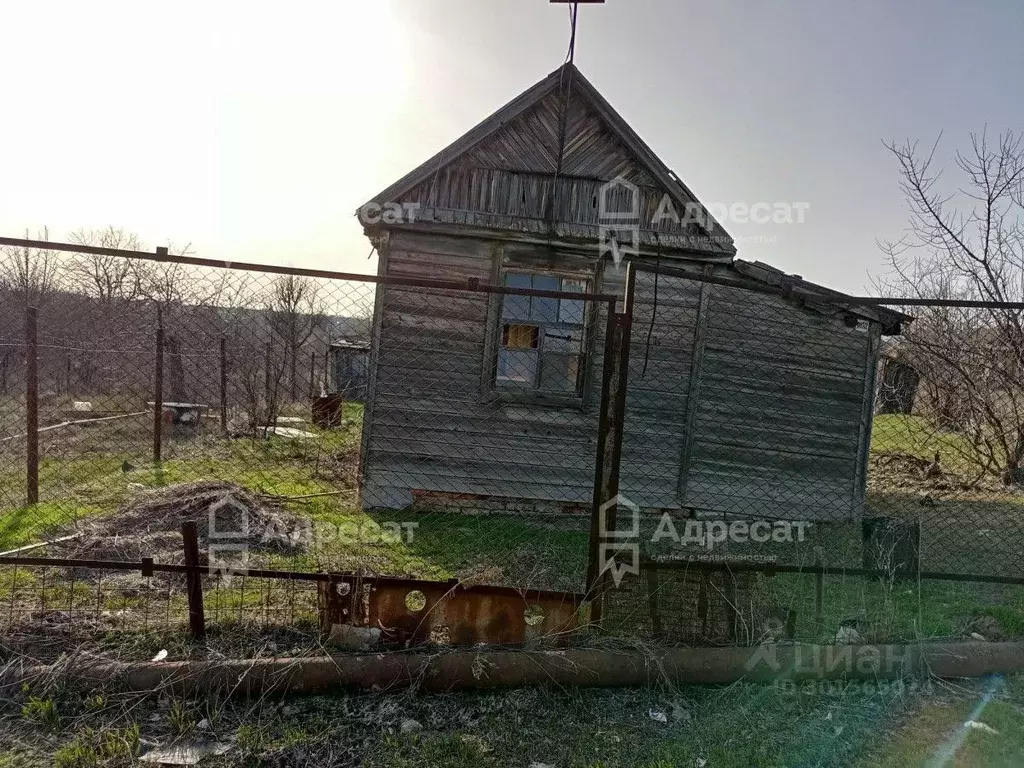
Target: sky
(252, 131)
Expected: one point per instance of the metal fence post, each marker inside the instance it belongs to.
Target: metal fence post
(32, 405)
(193, 581)
(158, 393)
(223, 385)
(618, 331)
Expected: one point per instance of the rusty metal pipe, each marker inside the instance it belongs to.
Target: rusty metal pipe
(463, 670)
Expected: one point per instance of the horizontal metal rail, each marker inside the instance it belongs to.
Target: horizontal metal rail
(147, 567)
(771, 569)
(869, 301)
(833, 297)
(161, 255)
(472, 284)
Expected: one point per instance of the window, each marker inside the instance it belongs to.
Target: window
(541, 342)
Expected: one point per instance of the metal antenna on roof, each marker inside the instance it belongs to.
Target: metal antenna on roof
(571, 55)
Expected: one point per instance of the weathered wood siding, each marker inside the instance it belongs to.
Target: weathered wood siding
(431, 427)
(508, 181)
(741, 402)
(658, 388)
(530, 144)
(769, 412)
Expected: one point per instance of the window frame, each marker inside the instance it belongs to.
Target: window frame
(493, 388)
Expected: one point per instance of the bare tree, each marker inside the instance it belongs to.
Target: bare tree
(107, 277)
(295, 312)
(161, 282)
(966, 241)
(10, 336)
(258, 375)
(166, 284)
(30, 274)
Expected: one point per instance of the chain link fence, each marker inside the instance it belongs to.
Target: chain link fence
(267, 406)
(761, 461)
(835, 470)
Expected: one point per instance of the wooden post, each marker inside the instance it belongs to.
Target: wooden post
(32, 405)
(223, 385)
(600, 474)
(158, 393)
(609, 445)
(193, 580)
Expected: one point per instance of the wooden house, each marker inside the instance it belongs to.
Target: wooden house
(739, 401)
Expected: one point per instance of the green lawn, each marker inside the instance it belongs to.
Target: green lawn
(917, 436)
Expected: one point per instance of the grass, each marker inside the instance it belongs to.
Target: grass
(93, 749)
(837, 724)
(915, 435)
(84, 479)
(24, 525)
(938, 731)
(739, 725)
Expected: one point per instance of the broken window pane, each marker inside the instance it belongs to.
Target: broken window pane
(546, 351)
(520, 336)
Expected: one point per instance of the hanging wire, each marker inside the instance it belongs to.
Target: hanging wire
(654, 308)
(565, 89)
(572, 33)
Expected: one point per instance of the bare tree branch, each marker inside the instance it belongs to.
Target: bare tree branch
(967, 243)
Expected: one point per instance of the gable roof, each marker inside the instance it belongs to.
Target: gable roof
(680, 194)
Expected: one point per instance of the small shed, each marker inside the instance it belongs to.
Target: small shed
(898, 382)
(739, 402)
(349, 364)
